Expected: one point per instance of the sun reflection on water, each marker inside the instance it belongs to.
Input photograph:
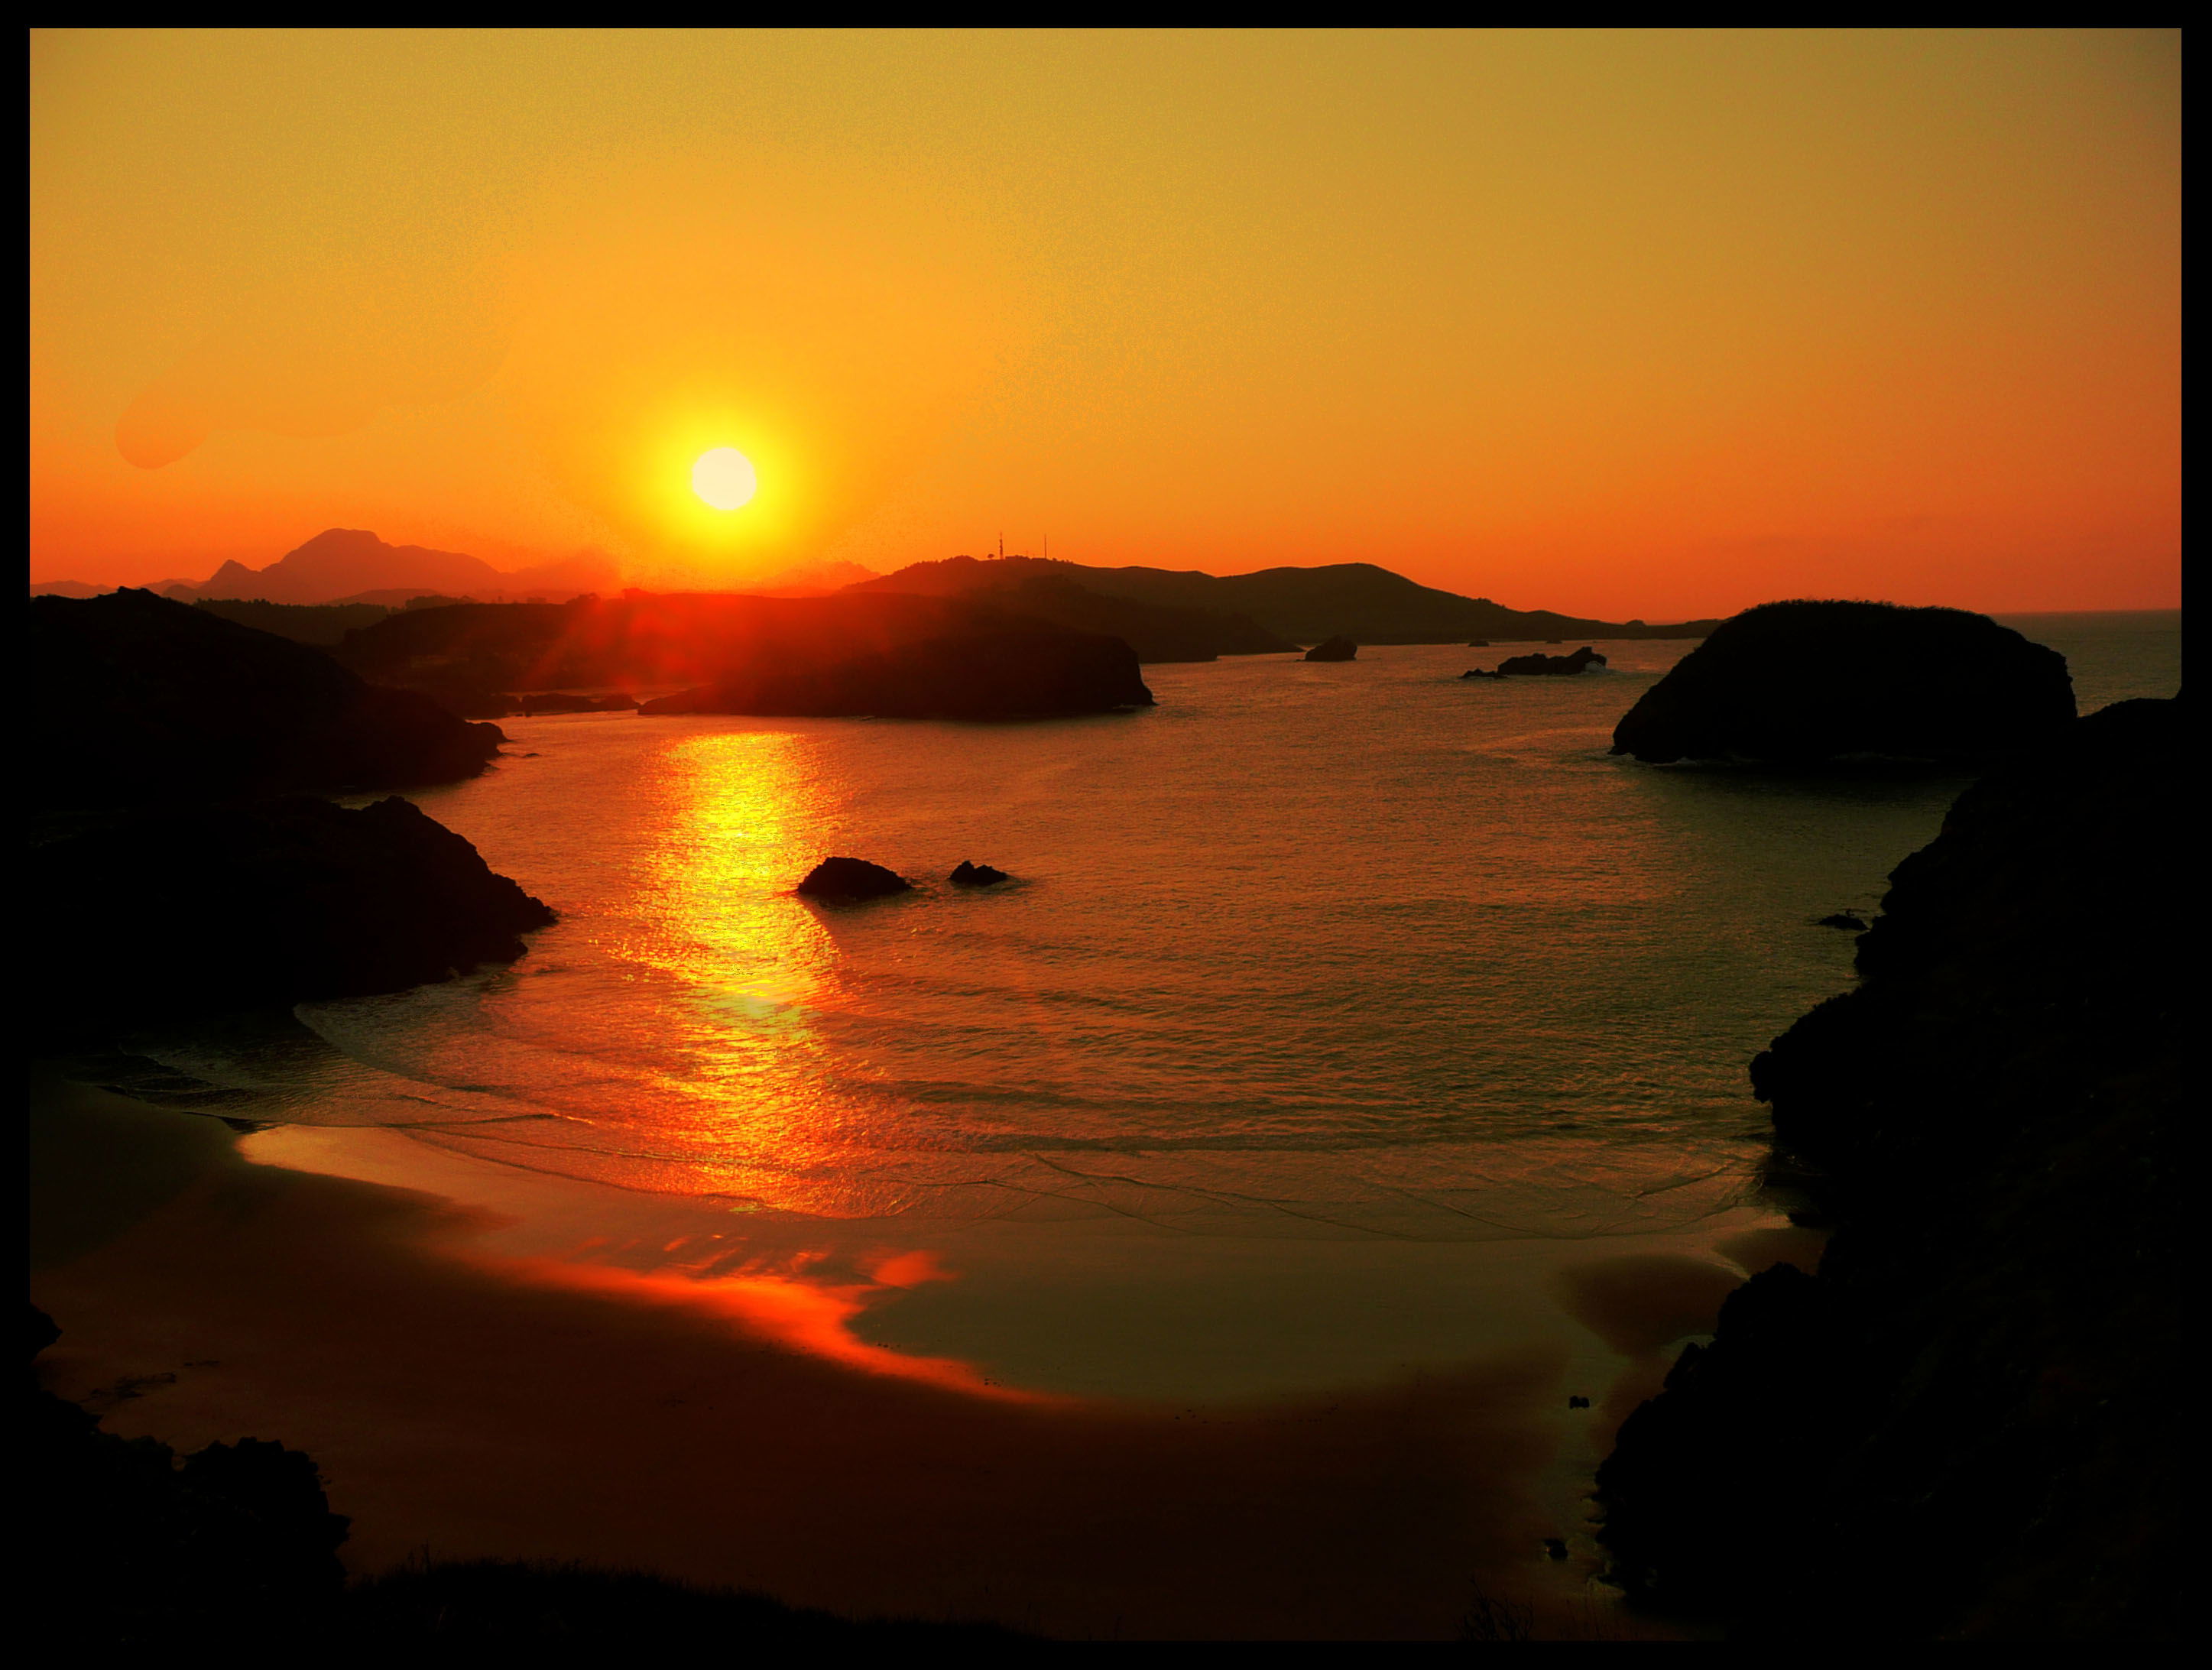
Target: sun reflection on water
(749, 966)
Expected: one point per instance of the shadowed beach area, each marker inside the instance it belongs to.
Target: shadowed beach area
(482, 1406)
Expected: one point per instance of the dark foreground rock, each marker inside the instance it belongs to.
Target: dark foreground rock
(1333, 649)
(968, 874)
(136, 700)
(1556, 667)
(1967, 1422)
(847, 881)
(128, 1544)
(205, 911)
(1803, 683)
(1845, 919)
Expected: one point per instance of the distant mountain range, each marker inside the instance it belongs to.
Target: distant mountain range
(353, 566)
(1164, 614)
(1282, 606)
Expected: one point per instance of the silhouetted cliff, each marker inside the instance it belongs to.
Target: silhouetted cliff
(198, 912)
(1970, 1421)
(1369, 604)
(1799, 684)
(137, 699)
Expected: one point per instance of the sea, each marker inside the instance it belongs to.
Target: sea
(1336, 1022)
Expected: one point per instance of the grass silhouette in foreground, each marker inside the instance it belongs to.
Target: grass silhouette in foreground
(235, 1546)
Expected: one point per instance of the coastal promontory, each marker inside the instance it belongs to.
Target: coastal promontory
(137, 699)
(202, 911)
(1966, 1422)
(885, 655)
(1808, 682)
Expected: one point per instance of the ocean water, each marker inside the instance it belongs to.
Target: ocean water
(1334, 1015)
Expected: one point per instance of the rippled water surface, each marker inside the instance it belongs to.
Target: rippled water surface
(1318, 989)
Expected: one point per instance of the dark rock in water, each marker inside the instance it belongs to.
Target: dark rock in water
(1801, 683)
(847, 881)
(137, 699)
(1578, 1403)
(199, 912)
(1479, 673)
(1842, 919)
(1333, 649)
(1964, 1423)
(1552, 666)
(965, 874)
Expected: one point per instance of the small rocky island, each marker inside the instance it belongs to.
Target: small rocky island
(849, 880)
(1337, 648)
(1967, 1422)
(1539, 664)
(1807, 683)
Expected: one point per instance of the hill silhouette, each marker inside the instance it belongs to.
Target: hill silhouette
(886, 654)
(137, 699)
(1802, 682)
(1357, 600)
(1157, 631)
(1964, 1424)
(352, 565)
(343, 562)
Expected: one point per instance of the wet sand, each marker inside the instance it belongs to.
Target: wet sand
(480, 1405)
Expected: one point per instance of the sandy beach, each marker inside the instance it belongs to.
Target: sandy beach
(479, 1405)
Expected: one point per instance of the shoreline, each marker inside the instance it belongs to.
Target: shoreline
(436, 1386)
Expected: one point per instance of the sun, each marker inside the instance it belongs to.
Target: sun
(724, 478)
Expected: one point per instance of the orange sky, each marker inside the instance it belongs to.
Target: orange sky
(1621, 324)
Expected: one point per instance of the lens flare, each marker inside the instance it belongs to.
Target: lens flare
(724, 478)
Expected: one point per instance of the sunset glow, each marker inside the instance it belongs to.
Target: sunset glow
(724, 479)
(1634, 325)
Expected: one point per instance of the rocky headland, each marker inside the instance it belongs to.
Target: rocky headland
(1809, 684)
(203, 911)
(1009, 673)
(1969, 1421)
(137, 701)
(885, 655)
(1337, 649)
